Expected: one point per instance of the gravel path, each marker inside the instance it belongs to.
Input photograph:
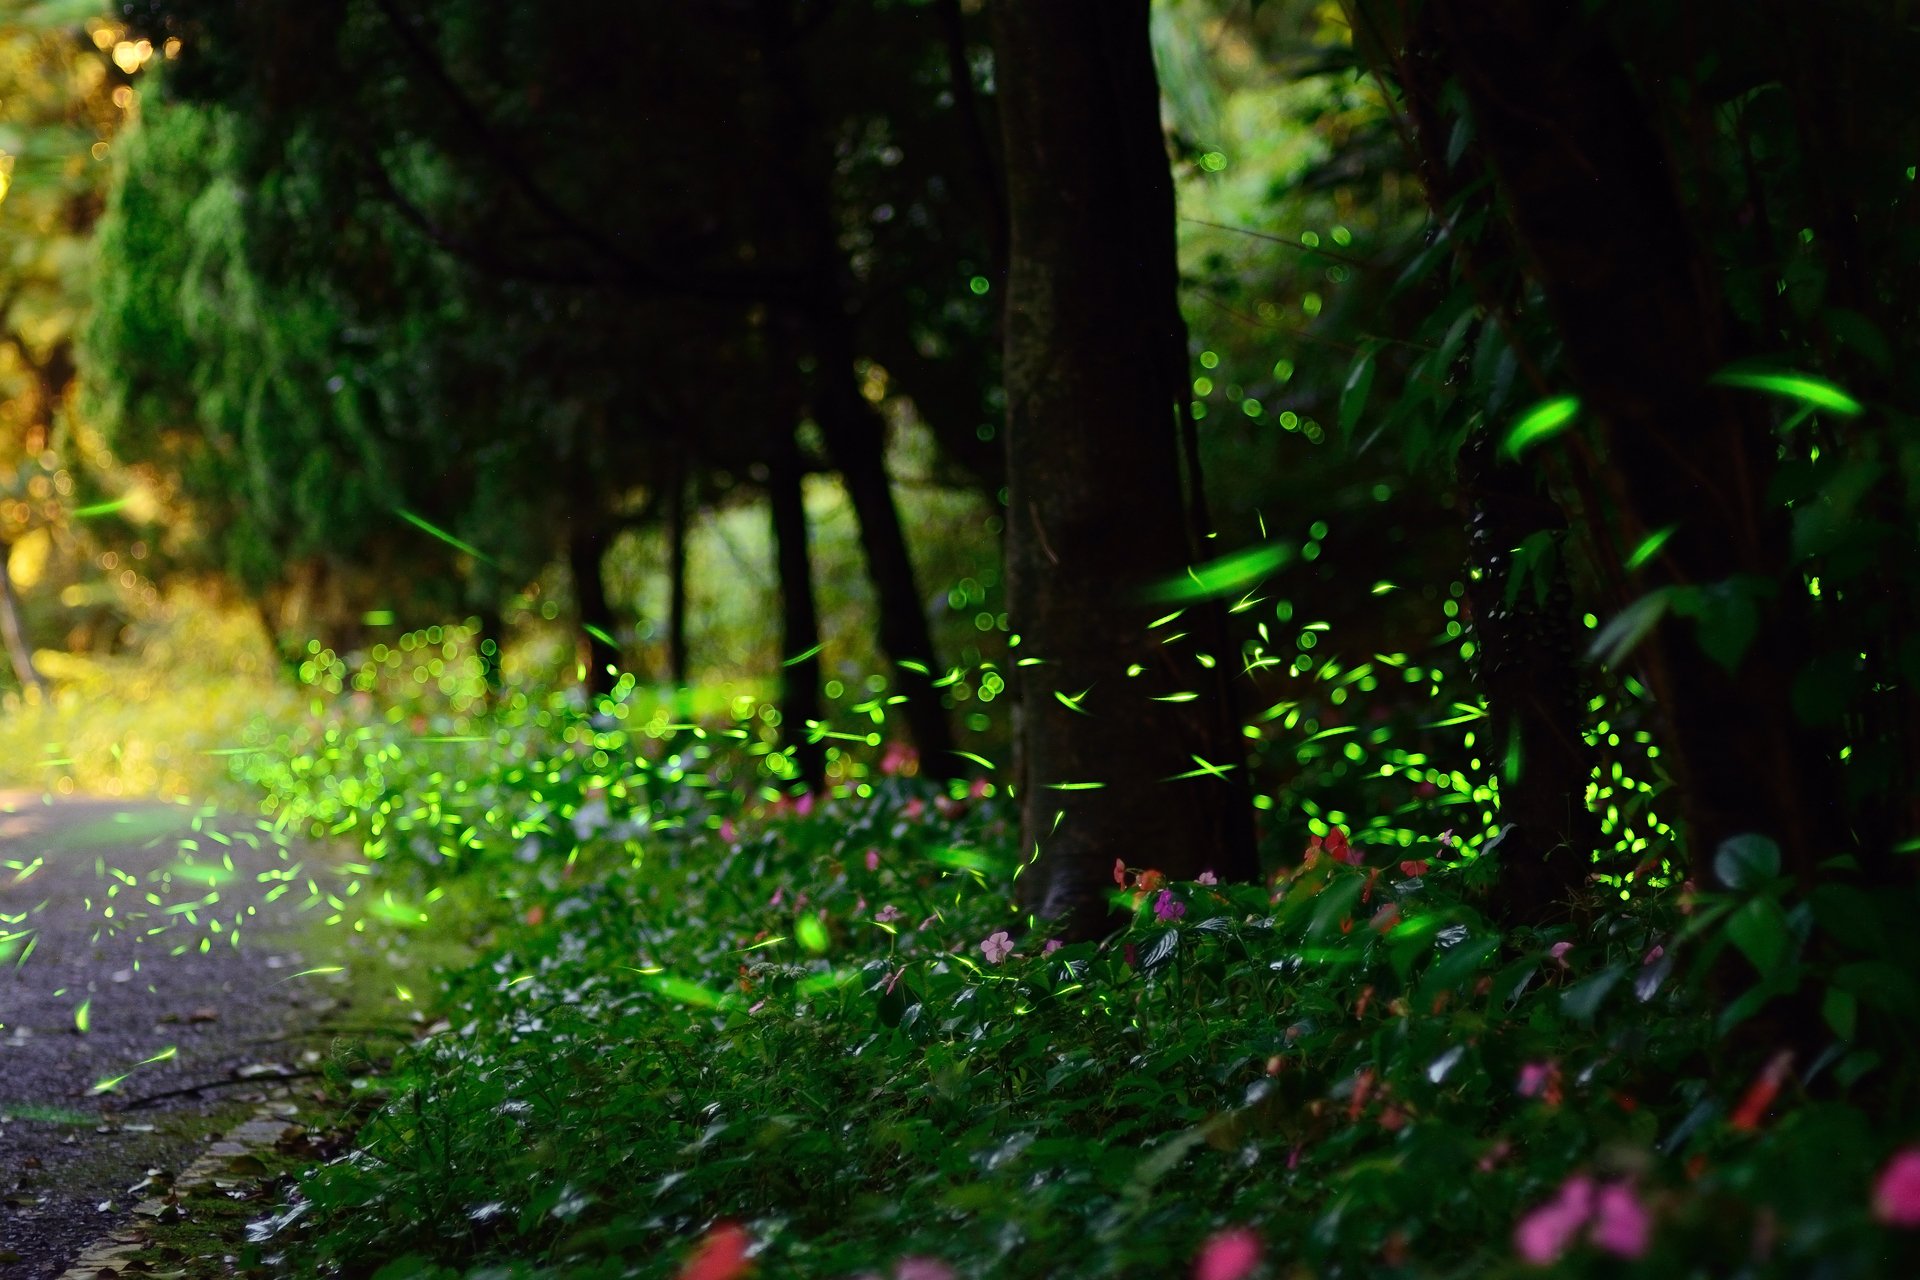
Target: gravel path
(116, 960)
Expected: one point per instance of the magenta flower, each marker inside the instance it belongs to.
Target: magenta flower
(922, 1269)
(1168, 907)
(888, 914)
(1621, 1224)
(997, 947)
(1228, 1255)
(873, 859)
(1896, 1196)
(1544, 1234)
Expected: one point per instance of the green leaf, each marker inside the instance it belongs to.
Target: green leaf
(1841, 1010)
(1626, 629)
(1160, 950)
(1457, 964)
(1759, 929)
(1583, 999)
(1335, 903)
(1727, 615)
(1746, 861)
(1353, 397)
(1542, 422)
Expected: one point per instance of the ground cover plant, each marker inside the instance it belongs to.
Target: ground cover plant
(715, 1011)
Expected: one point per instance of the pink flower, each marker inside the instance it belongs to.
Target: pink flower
(726, 830)
(997, 947)
(1539, 1079)
(1896, 1196)
(979, 788)
(873, 859)
(1621, 1224)
(1168, 907)
(914, 807)
(1119, 872)
(888, 914)
(1653, 955)
(1228, 1255)
(1544, 1234)
(896, 758)
(804, 805)
(1446, 838)
(1559, 952)
(1207, 877)
(778, 894)
(922, 1269)
(1053, 945)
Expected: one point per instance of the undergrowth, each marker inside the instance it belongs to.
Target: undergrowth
(713, 1009)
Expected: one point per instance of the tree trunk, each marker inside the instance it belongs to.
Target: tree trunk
(856, 440)
(1525, 660)
(677, 519)
(799, 623)
(853, 430)
(1095, 506)
(586, 548)
(13, 630)
(1596, 211)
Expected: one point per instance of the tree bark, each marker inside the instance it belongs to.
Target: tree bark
(586, 547)
(856, 440)
(1525, 660)
(1095, 505)
(1596, 211)
(799, 621)
(13, 629)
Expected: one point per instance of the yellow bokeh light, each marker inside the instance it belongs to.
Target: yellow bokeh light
(129, 55)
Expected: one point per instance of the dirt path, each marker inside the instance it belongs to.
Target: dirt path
(116, 961)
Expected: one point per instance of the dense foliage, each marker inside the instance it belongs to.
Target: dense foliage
(1389, 529)
(824, 1021)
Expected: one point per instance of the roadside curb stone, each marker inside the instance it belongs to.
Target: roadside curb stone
(108, 1257)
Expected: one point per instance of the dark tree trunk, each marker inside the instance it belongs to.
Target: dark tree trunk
(854, 432)
(1095, 505)
(677, 519)
(13, 629)
(1525, 655)
(1596, 211)
(799, 622)
(586, 548)
(856, 440)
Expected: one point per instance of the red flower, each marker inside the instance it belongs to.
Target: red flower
(1334, 845)
(1761, 1093)
(722, 1255)
(1414, 867)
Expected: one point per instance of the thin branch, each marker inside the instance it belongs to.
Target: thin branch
(633, 276)
(1301, 245)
